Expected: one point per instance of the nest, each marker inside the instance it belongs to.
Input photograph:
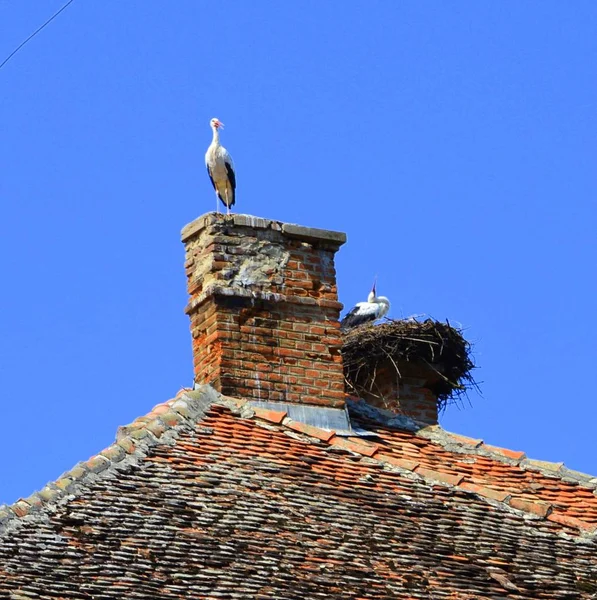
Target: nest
(430, 345)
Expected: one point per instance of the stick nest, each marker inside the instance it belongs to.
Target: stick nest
(431, 344)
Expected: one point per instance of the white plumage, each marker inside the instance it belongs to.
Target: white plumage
(220, 168)
(366, 312)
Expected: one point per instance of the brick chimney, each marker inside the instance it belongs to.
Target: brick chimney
(264, 309)
(411, 393)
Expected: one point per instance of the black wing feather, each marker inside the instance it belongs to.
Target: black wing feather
(232, 178)
(353, 318)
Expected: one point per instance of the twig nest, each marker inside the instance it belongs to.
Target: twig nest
(430, 349)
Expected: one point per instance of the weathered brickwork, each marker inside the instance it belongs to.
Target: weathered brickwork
(406, 393)
(264, 309)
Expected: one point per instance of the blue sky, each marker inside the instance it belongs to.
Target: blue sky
(454, 143)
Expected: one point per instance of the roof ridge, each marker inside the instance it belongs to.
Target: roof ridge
(160, 426)
(463, 444)
(536, 509)
(166, 420)
(555, 470)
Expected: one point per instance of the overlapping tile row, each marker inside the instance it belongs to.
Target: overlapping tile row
(562, 496)
(247, 504)
(133, 441)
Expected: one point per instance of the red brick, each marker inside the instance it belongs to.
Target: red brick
(289, 352)
(313, 373)
(296, 371)
(317, 330)
(328, 400)
(303, 346)
(295, 335)
(298, 291)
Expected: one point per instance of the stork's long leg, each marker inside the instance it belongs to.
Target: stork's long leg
(227, 202)
(217, 204)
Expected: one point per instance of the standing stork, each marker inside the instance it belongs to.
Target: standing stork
(366, 312)
(220, 168)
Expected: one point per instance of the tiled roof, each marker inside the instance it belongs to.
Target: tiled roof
(207, 497)
(565, 496)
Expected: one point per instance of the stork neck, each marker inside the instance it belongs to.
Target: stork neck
(216, 137)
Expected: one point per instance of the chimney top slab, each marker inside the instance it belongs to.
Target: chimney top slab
(306, 234)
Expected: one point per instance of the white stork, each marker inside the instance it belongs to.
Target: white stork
(220, 168)
(366, 312)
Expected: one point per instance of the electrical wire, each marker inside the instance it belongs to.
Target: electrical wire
(35, 33)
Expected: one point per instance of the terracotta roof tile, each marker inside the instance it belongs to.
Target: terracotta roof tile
(514, 454)
(502, 471)
(541, 509)
(310, 430)
(403, 463)
(486, 492)
(572, 522)
(466, 440)
(354, 445)
(543, 465)
(225, 503)
(439, 476)
(275, 416)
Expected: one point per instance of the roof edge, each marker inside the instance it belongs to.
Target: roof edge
(462, 444)
(160, 426)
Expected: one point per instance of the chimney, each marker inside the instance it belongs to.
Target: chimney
(264, 309)
(408, 391)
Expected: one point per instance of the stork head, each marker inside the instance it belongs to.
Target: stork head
(216, 123)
